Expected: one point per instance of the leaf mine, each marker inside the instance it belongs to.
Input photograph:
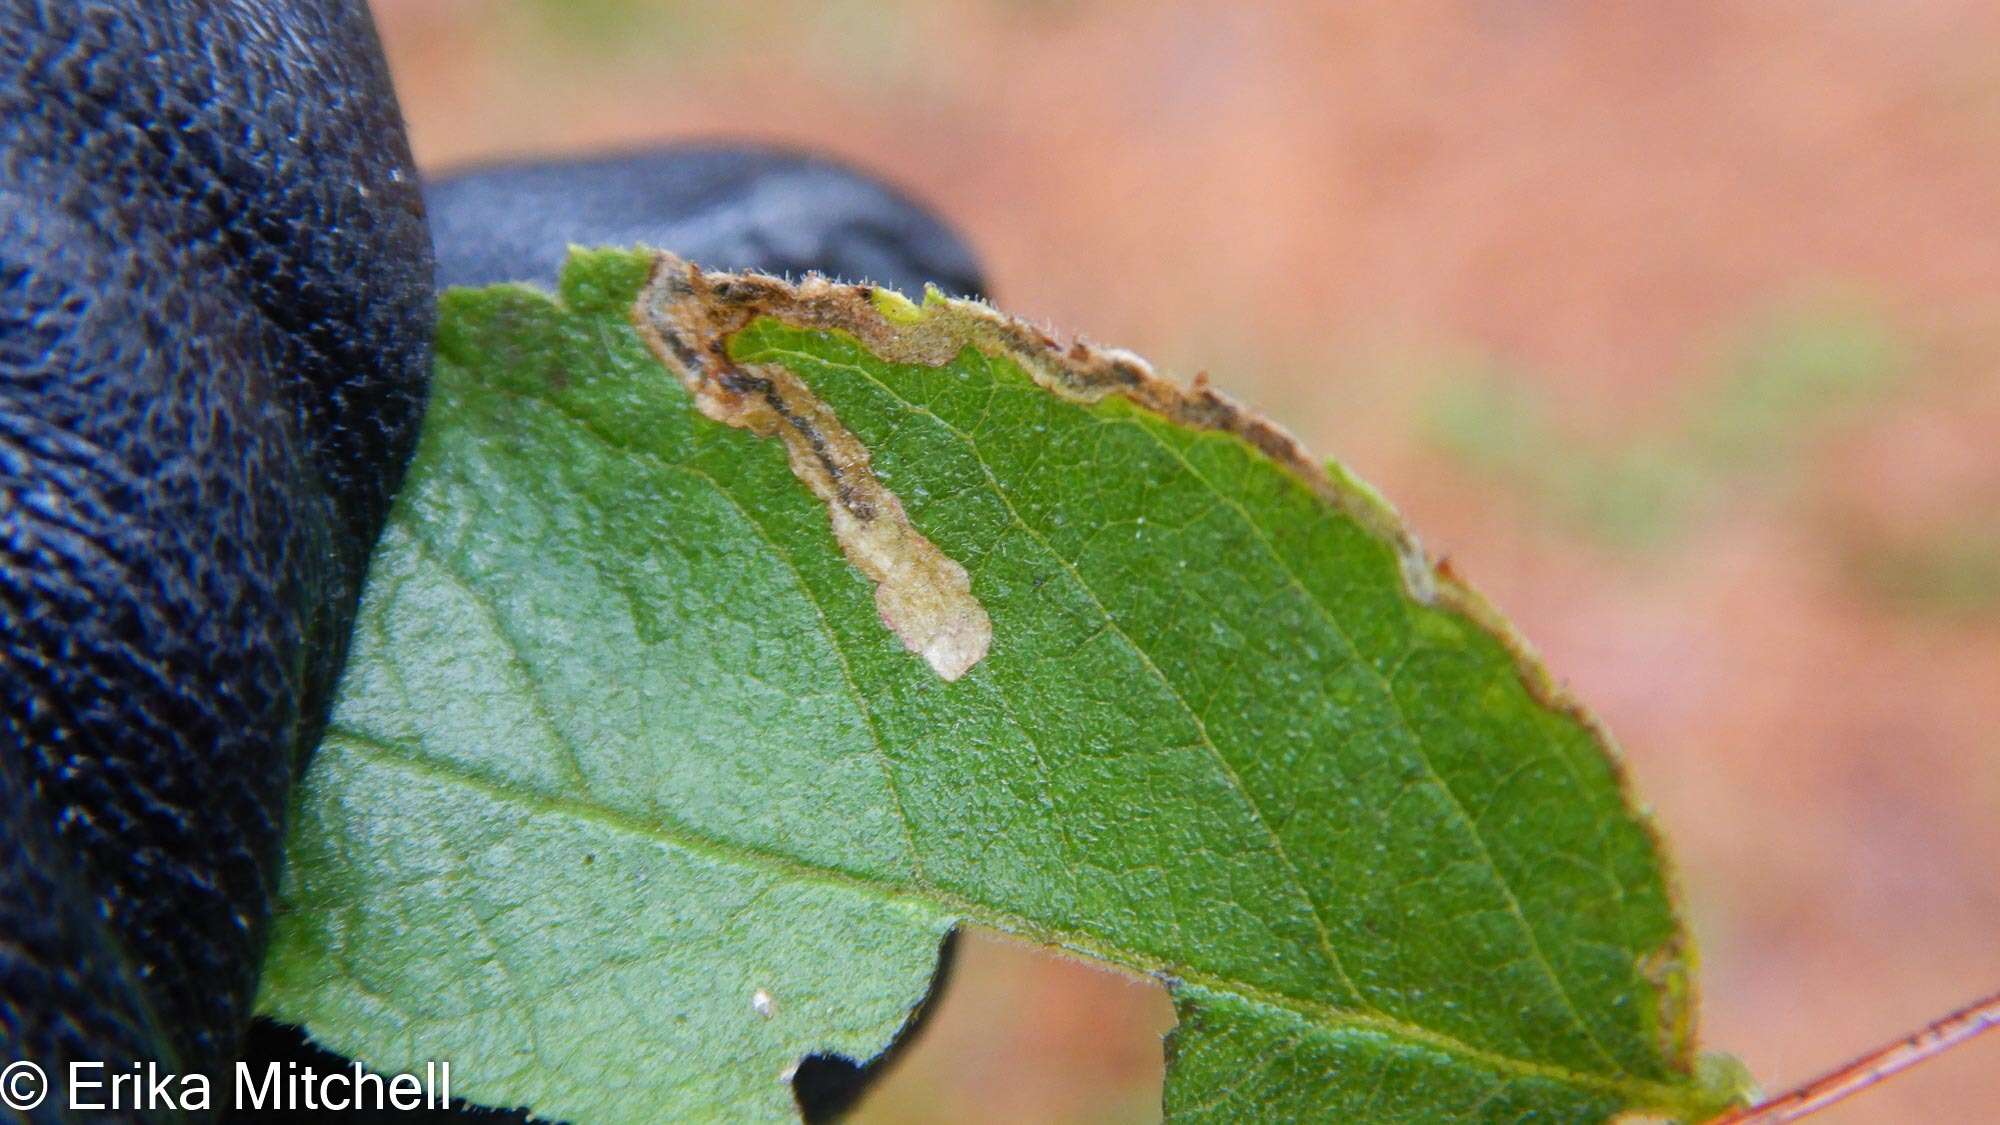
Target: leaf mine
(923, 596)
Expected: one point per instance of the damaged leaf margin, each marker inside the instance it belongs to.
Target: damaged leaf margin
(688, 315)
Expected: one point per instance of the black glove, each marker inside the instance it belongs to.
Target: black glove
(217, 313)
(214, 335)
(726, 208)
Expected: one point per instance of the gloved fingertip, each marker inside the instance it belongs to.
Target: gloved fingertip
(728, 208)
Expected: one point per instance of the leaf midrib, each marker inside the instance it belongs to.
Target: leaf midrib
(1637, 1093)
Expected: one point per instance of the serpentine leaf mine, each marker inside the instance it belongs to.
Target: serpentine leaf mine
(922, 595)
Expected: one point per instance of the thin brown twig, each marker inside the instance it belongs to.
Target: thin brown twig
(1935, 1038)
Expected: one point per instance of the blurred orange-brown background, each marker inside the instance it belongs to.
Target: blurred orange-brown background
(1676, 326)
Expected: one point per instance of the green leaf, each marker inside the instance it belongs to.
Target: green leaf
(701, 688)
